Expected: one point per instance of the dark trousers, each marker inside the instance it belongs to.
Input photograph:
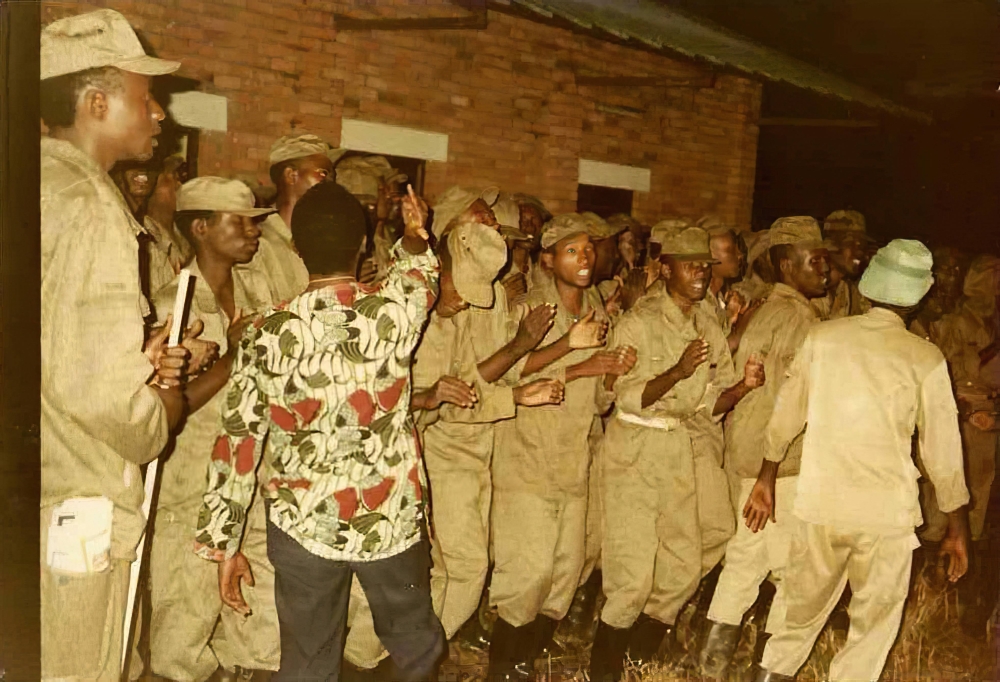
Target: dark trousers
(311, 594)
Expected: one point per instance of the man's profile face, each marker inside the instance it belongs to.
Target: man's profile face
(139, 182)
(948, 274)
(725, 250)
(233, 237)
(687, 279)
(309, 172)
(851, 254)
(810, 271)
(133, 118)
(479, 212)
(607, 259)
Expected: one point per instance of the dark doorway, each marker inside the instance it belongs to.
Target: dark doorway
(604, 201)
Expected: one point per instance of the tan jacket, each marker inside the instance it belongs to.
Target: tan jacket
(454, 347)
(961, 336)
(168, 253)
(278, 260)
(863, 384)
(185, 471)
(99, 419)
(775, 334)
(845, 301)
(546, 449)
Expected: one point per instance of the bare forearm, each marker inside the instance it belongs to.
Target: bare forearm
(768, 472)
(422, 400)
(958, 523)
(204, 388)
(658, 387)
(542, 358)
(730, 397)
(493, 368)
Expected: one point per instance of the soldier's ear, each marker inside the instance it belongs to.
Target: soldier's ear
(95, 103)
(665, 270)
(199, 227)
(290, 174)
(547, 259)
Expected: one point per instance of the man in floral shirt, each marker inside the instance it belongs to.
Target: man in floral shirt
(325, 380)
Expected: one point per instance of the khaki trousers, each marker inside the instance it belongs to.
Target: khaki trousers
(82, 619)
(461, 492)
(750, 557)
(667, 517)
(539, 543)
(821, 561)
(595, 504)
(185, 641)
(980, 468)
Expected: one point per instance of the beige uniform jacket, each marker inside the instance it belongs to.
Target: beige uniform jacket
(775, 334)
(168, 252)
(845, 301)
(186, 470)
(545, 449)
(961, 336)
(454, 347)
(863, 384)
(99, 419)
(278, 260)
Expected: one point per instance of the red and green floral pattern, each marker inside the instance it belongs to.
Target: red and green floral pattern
(325, 381)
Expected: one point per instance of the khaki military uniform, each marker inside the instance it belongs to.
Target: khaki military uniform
(667, 510)
(167, 252)
(185, 641)
(99, 419)
(753, 288)
(278, 260)
(540, 481)
(861, 384)
(775, 334)
(961, 336)
(458, 449)
(843, 301)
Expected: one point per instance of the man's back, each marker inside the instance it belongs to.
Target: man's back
(862, 384)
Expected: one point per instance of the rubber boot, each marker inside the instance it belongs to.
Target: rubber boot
(578, 625)
(472, 635)
(509, 649)
(607, 657)
(699, 623)
(545, 627)
(717, 652)
(768, 676)
(646, 638)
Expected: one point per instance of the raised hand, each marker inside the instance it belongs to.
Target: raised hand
(515, 286)
(539, 392)
(535, 325)
(415, 214)
(693, 357)
(587, 332)
(753, 372)
(231, 573)
(454, 391)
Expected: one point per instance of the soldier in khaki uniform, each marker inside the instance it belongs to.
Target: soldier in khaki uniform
(858, 387)
(848, 258)
(215, 215)
(667, 509)
(467, 340)
(774, 335)
(168, 250)
(106, 406)
(540, 468)
(298, 162)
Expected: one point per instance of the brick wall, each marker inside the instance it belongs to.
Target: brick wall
(506, 96)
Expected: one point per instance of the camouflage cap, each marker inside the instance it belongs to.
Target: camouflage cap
(799, 230)
(690, 244)
(562, 227)
(478, 253)
(599, 228)
(360, 176)
(665, 229)
(626, 221)
(299, 146)
(844, 220)
(93, 40)
(455, 201)
(209, 193)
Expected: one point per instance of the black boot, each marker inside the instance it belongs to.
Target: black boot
(646, 638)
(699, 623)
(578, 625)
(759, 646)
(717, 652)
(509, 650)
(472, 634)
(607, 658)
(545, 627)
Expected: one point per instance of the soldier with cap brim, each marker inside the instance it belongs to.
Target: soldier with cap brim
(667, 509)
(218, 218)
(849, 245)
(540, 471)
(297, 163)
(857, 387)
(107, 407)
(460, 393)
(774, 336)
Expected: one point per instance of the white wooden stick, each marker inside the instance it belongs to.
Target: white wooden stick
(152, 474)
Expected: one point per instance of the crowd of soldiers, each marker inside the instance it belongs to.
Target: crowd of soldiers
(386, 424)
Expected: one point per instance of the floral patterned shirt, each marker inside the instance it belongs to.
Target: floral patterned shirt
(325, 381)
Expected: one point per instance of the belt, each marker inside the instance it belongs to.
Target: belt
(661, 423)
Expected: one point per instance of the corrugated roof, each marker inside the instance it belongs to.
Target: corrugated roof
(662, 28)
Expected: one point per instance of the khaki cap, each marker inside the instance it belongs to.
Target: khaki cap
(899, 274)
(562, 227)
(220, 195)
(455, 201)
(690, 244)
(360, 176)
(514, 234)
(626, 221)
(758, 243)
(477, 254)
(299, 146)
(93, 40)
(844, 220)
(665, 229)
(599, 228)
(507, 213)
(799, 230)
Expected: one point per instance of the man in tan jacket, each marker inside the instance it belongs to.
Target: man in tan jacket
(848, 258)
(667, 511)
(216, 216)
(540, 469)
(107, 407)
(774, 336)
(858, 387)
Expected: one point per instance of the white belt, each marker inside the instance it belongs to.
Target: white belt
(661, 423)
